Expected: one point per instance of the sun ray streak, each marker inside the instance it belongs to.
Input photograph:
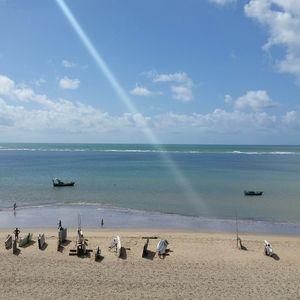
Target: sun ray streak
(191, 194)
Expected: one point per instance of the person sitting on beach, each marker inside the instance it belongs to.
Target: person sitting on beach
(16, 232)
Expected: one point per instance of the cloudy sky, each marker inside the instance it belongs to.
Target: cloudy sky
(172, 71)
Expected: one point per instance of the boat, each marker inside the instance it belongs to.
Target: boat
(253, 193)
(116, 244)
(161, 247)
(58, 182)
(268, 249)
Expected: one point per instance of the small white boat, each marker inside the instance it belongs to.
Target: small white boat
(116, 243)
(162, 247)
(268, 249)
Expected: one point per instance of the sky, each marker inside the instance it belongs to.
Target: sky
(172, 71)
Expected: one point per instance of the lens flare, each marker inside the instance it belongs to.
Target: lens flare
(191, 194)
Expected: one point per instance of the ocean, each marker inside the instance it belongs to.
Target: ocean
(197, 181)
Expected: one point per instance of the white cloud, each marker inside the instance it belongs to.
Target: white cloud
(25, 112)
(228, 99)
(255, 100)
(182, 92)
(292, 120)
(218, 122)
(140, 91)
(182, 85)
(39, 82)
(67, 83)
(6, 85)
(222, 2)
(62, 116)
(175, 77)
(282, 19)
(68, 64)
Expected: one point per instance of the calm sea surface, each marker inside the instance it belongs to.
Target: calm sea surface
(191, 180)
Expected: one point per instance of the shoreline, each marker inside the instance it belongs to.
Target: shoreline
(91, 215)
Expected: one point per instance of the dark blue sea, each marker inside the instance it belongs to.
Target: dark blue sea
(202, 181)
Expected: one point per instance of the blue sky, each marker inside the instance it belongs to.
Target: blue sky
(209, 71)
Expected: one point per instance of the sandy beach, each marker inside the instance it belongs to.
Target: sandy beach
(200, 265)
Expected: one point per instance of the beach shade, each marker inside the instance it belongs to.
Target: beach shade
(26, 240)
(8, 242)
(41, 241)
(62, 235)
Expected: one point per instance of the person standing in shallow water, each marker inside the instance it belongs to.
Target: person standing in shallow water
(15, 206)
(102, 223)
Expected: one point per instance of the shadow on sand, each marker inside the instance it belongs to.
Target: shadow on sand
(61, 246)
(99, 259)
(30, 243)
(149, 255)
(17, 252)
(275, 256)
(44, 247)
(244, 248)
(124, 253)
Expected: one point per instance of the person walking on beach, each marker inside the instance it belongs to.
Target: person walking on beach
(16, 232)
(15, 206)
(102, 223)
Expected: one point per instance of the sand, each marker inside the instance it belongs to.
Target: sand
(199, 266)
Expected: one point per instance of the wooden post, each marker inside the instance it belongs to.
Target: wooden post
(237, 230)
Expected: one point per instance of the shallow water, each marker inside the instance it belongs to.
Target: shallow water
(143, 177)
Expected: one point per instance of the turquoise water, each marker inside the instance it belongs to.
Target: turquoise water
(191, 180)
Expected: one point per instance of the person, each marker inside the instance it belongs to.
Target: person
(59, 224)
(15, 206)
(102, 223)
(16, 232)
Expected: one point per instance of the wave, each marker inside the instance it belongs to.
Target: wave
(264, 152)
(183, 149)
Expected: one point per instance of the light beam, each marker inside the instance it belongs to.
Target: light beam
(189, 190)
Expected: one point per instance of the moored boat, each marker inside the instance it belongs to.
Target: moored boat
(58, 182)
(253, 193)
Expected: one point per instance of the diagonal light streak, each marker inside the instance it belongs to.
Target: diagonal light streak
(183, 181)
